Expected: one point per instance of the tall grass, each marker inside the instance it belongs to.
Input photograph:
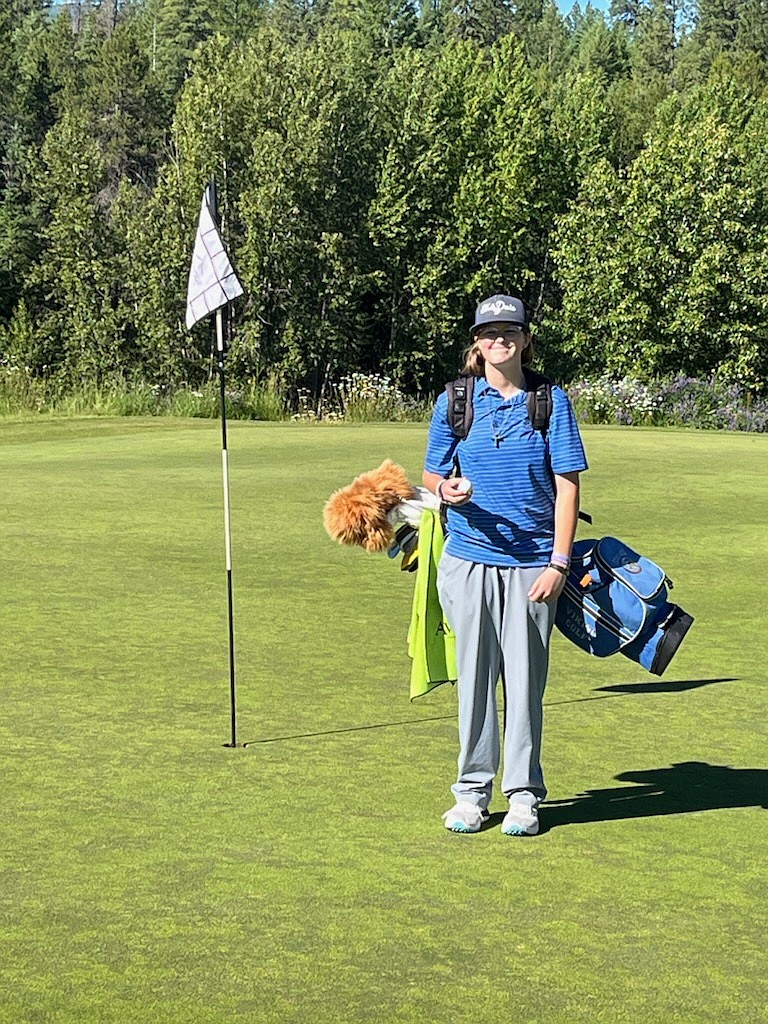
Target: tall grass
(357, 398)
(21, 395)
(373, 398)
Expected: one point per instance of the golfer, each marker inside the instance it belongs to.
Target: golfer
(511, 520)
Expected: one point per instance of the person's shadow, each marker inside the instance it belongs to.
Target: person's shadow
(690, 786)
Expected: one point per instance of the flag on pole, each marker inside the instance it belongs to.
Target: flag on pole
(212, 285)
(212, 279)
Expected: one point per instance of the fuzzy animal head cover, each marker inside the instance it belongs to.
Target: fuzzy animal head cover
(357, 514)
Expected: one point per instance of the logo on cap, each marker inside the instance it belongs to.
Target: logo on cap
(497, 307)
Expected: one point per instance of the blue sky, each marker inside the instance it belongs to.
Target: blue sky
(566, 5)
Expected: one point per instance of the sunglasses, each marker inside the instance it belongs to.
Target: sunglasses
(492, 333)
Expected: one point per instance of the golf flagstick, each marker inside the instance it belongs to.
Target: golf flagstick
(227, 523)
(213, 284)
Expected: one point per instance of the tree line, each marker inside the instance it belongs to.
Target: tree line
(381, 166)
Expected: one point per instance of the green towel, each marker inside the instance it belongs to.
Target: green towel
(431, 642)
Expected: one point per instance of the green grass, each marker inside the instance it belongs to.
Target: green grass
(149, 874)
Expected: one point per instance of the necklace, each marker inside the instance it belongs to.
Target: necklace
(497, 433)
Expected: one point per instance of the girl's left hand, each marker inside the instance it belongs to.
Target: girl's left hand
(547, 587)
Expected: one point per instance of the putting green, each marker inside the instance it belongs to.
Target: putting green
(149, 874)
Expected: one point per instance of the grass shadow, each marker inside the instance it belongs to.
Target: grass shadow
(679, 789)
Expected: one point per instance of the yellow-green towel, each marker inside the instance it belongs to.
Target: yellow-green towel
(431, 642)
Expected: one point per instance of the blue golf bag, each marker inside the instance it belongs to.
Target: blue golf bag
(616, 600)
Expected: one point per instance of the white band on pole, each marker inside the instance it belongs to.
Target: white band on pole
(227, 533)
(219, 330)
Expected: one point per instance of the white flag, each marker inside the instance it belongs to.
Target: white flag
(212, 280)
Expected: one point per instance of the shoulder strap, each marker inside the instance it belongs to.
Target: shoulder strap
(461, 412)
(460, 409)
(539, 400)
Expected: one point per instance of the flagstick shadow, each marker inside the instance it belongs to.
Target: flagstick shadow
(350, 728)
(619, 690)
(680, 789)
(395, 725)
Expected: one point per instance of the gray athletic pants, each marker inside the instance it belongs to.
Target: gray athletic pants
(499, 633)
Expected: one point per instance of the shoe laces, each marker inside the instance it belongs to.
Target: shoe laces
(524, 811)
(464, 809)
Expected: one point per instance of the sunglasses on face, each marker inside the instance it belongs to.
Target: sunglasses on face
(510, 334)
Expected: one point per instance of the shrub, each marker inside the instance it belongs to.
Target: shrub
(362, 398)
(676, 401)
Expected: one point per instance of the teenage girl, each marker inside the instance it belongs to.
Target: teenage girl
(511, 521)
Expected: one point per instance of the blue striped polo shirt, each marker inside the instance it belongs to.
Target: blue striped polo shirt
(510, 518)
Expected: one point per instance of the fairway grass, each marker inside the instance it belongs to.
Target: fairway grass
(150, 874)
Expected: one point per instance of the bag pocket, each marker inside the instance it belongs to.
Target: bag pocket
(636, 572)
(616, 591)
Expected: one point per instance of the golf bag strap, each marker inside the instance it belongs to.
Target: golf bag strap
(538, 400)
(460, 407)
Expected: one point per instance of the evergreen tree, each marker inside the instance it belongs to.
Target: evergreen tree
(738, 28)
(41, 69)
(598, 48)
(389, 24)
(173, 29)
(547, 45)
(718, 22)
(752, 29)
(125, 106)
(654, 41)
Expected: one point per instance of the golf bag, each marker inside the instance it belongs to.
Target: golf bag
(616, 600)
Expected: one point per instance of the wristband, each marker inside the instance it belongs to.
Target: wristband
(558, 568)
(438, 492)
(561, 560)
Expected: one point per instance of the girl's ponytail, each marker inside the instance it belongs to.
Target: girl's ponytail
(474, 364)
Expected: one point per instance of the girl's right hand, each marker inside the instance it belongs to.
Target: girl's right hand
(455, 490)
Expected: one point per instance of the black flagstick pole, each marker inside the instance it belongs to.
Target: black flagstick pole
(220, 354)
(227, 525)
